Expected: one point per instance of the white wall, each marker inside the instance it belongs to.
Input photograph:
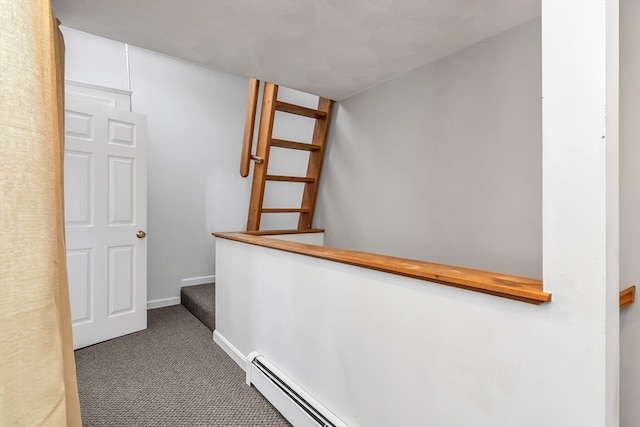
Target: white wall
(444, 164)
(195, 119)
(95, 60)
(630, 209)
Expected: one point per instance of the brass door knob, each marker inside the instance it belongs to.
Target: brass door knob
(141, 234)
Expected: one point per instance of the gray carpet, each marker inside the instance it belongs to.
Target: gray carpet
(171, 374)
(200, 300)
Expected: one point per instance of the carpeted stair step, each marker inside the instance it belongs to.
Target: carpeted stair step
(200, 300)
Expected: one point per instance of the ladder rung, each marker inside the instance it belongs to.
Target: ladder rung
(282, 143)
(289, 178)
(284, 210)
(299, 110)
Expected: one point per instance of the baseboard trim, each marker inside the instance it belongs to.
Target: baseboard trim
(162, 302)
(192, 281)
(228, 348)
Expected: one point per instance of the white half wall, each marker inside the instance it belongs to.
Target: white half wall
(444, 163)
(383, 350)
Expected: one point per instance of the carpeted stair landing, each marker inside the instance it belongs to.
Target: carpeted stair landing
(200, 300)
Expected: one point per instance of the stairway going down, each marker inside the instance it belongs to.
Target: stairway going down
(200, 300)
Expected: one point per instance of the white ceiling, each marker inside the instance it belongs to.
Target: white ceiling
(332, 48)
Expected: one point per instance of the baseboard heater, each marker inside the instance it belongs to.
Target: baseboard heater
(294, 403)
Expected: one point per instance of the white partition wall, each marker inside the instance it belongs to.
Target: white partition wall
(580, 187)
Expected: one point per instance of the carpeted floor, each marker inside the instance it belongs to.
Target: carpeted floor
(171, 374)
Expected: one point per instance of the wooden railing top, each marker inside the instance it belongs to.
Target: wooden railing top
(501, 285)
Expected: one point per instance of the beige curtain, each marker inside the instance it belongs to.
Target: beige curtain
(37, 369)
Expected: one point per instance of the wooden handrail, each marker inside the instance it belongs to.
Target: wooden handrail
(502, 285)
(627, 296)
(249, 122)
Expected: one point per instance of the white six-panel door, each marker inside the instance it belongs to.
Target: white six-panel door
(105, 214)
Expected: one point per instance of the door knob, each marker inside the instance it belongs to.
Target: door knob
(141, 234)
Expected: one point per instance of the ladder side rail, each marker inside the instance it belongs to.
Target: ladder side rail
(249, 123)
(314, 167)
(267, 116)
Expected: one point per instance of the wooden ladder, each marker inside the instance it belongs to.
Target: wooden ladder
(270, 105)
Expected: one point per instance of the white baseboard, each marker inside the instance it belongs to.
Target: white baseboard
(192, 281)
(162, 302)
(228, 348)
